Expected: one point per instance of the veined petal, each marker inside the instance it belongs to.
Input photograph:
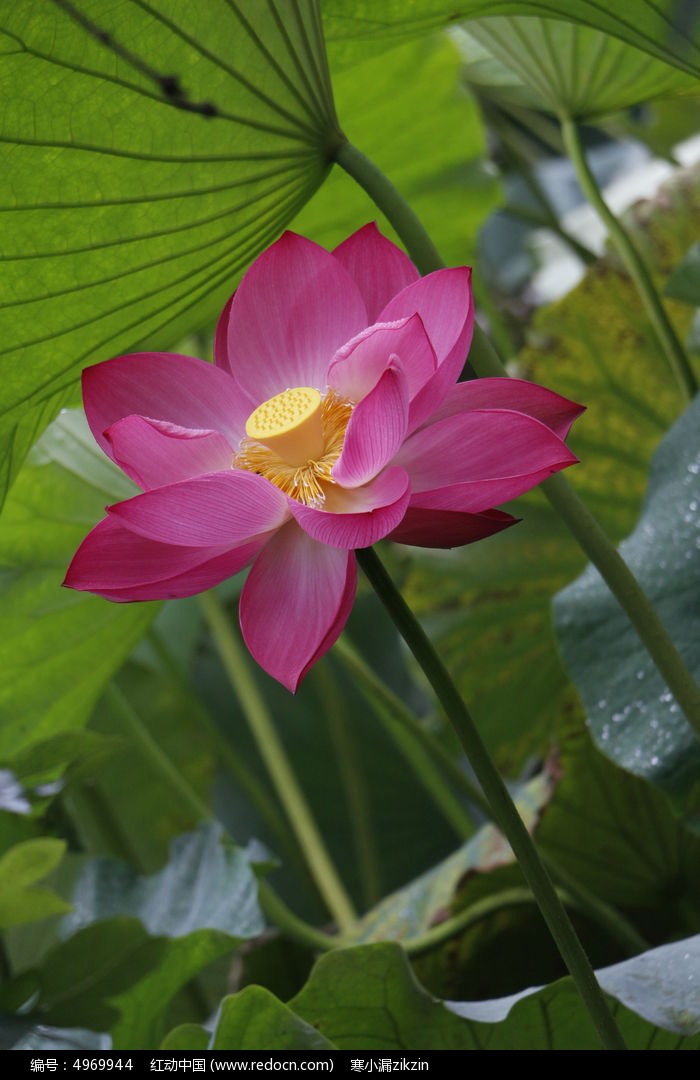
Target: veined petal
(376, 429)
(443, 300)
(357, 517)
(153, 452)
(294, 308)
(358, 365)
(517, 395)
(200, 578)
(223, 508)
(295, 603)
(164, 386)
(487, 457)
(423, 527)
(379, 268)
(118, 564)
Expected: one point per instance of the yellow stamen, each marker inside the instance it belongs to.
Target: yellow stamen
(290, 424)
(306, 480)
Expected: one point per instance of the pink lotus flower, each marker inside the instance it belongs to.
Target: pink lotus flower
(332, 418)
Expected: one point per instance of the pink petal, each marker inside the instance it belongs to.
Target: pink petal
(448, 528)
(475, 460)
(221, 339)
(376, 430)
(205, 576)
(379, 268)
(294, 308)
(357, 517)
(557, 412)
(358, 365)
(119, 564)
(295, 603)
(153, 452)
(443, 300)
(223, 508)
(163, 386)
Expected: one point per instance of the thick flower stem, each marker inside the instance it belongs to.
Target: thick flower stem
(272, 752)
(578, 519)
(502, 806)
(163, 766)
(399, 214)
(634, 263)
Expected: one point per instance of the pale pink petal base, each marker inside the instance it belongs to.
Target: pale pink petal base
(443, 300)
(356, 368)
(295, 603)
(376, 430)
(357, 517)
(294, 308)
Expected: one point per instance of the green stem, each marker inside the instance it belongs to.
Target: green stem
(578, 519)
(498, 325)
(382, 192)
(636, 267)
(629, 594)
(354, 781)
(249, 783)
(273, 754)
(405, 728)
(274, 907)
(619, 928)
(388, 705)
(610, 565)
(503, 809)
(152, 752)
(469, 916)
(519, 162)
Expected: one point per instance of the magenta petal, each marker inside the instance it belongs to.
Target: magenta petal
(358, 365)
(518, 395)
(178, 389)
(357, 517)
(118, 564)
(376, 430)
(443, 300)
(204, 576)
(484, 457)
(153, 452)
(294, 308)
(215, 509)
(295, 603)
(113, 557)
(422, 527)
(379, 268)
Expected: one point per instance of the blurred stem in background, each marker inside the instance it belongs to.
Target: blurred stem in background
(354, 783)
(273, 754)
(634, 264)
